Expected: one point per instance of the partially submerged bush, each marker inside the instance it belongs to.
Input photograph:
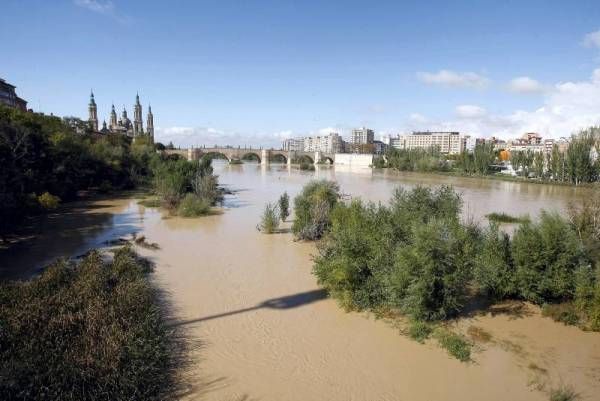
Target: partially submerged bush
(269, 220)
(284, 206)
(48, 201)
(312, 208)
(455, 344)
(419, 330)
(95, 330)
(193, 206)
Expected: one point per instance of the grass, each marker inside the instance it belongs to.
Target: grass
(564, 312)
(419, 330)
(455, 344)
(269, 220)
(506, 218)
(93, 330)
(563, 393)
(193, 206)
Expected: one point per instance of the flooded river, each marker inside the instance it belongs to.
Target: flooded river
(269, 333)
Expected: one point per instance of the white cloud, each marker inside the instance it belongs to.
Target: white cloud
(470, 111)
(417, 118)
(525, 85)
(454, 79)
(592, 39)
(106, 7)
(567, 108)
(101, 7)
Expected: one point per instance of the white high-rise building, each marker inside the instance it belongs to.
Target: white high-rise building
(362, 136)
(446, 142)
(331, 143)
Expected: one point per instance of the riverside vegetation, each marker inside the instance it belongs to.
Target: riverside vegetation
(93, 330)
(47, 160)
(574, 166)
(416, 258)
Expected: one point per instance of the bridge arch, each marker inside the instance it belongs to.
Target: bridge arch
(278, 158)
(326, 160)
(251, 156)
(305, 159)
(216, 155)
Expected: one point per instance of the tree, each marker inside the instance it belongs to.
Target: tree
(284, 206)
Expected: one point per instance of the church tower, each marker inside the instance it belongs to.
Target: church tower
(93, 113)
(113, 119)
(138, 127)
(150, 123)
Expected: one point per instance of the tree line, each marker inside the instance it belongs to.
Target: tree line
(579, 163)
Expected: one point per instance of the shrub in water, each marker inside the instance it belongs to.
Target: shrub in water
(455, 344)
(193, 206)
(312, 208)
(284, 206)
(48, 201)
(269, 220)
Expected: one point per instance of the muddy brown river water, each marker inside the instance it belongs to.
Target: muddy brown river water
(269, 333)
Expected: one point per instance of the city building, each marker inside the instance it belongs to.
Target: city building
(362, 136)
(123, 125)
(293, 144)
(379, 147)
(446, 142)
(9, 97)
(331, 143)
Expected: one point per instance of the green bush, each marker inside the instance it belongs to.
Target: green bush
(455, 344)
(94, 330)
(419, 330)
(565, 313)
(564, 393)
(546, 255)
(269, 220)
(193, 206)
(430, 276)
(494, 270)
(413, 256)
(312, 208)
(48, 201)
(505, 218)
(284, 206)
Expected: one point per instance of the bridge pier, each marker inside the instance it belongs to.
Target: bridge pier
(290, 155)
(265, 157)
(317, 157)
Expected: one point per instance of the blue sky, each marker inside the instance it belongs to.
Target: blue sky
(258, 71)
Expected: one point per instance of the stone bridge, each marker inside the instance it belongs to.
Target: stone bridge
(264, 156)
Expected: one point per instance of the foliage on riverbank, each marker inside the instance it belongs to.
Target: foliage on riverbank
(185, 188)
(44, 160)
(417, 257)
(575, 166)
(94, 330)
(505, 218)
(312, 208)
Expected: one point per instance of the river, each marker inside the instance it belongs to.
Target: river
(269, 333)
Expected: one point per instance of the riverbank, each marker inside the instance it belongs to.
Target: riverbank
(270, 333)
(96, 329)
(500, 177)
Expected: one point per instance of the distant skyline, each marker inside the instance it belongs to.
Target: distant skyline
(257, 72)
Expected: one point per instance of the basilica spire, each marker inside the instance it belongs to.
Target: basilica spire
(150, 123)
(93, 113)
(138, 127)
